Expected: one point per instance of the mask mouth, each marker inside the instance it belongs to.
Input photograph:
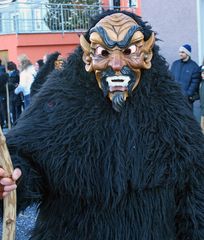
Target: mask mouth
(112, 83)
(118, 83)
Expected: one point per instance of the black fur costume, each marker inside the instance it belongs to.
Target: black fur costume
(102, 175)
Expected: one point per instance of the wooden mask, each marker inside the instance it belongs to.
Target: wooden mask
(116, 53)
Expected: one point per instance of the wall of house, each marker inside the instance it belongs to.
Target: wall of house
(200, 19)
(35, 46)
(8, 45)
(176, 24)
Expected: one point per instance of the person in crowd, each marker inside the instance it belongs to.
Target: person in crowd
(201, 93)
(38, 64)
(2, 67)
(109, 149)
(185, 71)
(15, 100)
(3, 102)
(45, 56)
(27, 74)
(54, 61)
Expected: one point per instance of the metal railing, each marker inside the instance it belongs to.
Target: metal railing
(41, 18)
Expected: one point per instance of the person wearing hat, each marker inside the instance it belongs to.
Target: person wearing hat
(201, 93)
(186, 72)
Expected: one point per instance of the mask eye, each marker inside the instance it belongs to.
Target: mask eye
(101, 51)
(130, 50)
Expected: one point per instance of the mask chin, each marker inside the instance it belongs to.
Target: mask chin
(118, 100)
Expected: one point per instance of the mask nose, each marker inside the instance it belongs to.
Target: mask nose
(116, 62)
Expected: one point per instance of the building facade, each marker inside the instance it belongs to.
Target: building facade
(176, 23)
(38, 28)
(23, 28)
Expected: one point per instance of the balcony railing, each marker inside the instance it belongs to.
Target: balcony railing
(45, 18)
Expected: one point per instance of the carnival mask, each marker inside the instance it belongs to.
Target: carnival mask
(59, 63)
(116, 53)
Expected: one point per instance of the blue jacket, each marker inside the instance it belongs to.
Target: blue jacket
(187, 74)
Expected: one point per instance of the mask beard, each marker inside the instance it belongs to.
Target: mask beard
(118, 101)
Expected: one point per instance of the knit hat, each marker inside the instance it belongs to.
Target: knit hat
(185, 48)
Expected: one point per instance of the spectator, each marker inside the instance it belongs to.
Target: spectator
(39, 63)
(186, 72)
(201, 92)
(15, 100)
(27, 74)
(2, 67)
(3, 105)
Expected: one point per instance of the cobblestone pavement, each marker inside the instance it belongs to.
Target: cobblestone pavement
(24, 224)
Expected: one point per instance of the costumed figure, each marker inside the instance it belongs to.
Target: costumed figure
(54, 61)
(109, 149)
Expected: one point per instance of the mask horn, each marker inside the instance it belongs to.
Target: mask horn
(85, 45)
(86, 56)
(147, 51)
(150, 42)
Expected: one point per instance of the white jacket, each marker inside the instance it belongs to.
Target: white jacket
(26, 80)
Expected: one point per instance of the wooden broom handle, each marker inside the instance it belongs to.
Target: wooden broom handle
(9, 202)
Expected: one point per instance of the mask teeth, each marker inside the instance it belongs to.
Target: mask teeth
(118, 81)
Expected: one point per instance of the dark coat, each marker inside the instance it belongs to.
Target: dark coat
(13, 80)
(102, 175)
(187, 74)
(3, 81)
(12, 84)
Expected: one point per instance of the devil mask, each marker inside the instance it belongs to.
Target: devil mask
(117, 52)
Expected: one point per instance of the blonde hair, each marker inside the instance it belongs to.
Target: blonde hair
(24, 62)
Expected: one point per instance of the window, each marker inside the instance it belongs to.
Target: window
(14, 23)
(133, 3)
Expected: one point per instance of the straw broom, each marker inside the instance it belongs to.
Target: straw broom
(9, 202)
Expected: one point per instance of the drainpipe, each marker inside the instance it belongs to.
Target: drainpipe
(62, 18)
(198, 5)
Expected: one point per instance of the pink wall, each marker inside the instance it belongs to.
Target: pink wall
(35, 46)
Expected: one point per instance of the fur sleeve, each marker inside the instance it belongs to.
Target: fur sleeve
(30, 184)
(190, 206)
